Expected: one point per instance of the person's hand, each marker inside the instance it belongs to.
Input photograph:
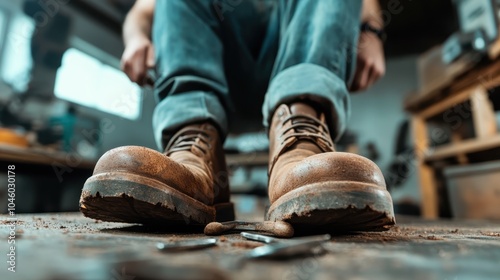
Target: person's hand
(137, 58)
(370, 65)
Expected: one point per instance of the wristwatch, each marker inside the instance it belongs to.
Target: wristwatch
(366, 27)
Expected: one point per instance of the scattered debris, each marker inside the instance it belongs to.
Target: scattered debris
(433, 237)
(494, 234)
(430, 237)
(396, 229)
(246, 244)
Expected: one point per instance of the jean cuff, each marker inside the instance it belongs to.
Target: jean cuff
(311, 82)
(179, 110)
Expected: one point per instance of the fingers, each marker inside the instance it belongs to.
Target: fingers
(134, 66)
(361, 76)
(377, 72)
(151, 57)
(140, 67)
(135, 62)
(367, 73)
(370, 63)
(364, 76)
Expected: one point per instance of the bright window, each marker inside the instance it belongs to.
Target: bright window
(87, 81)
(17, 61)
(2, 26)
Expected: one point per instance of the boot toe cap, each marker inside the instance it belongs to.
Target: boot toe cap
(132, 159)
(337, 166)
(152, 165)
(327, 167)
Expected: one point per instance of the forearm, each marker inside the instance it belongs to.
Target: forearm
(138, 22)
(372, 13)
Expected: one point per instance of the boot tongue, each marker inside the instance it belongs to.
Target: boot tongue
(303, 109)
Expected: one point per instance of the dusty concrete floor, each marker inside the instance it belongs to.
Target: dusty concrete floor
(69, 246)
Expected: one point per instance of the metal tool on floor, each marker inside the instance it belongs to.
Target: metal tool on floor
(277, 248)
(186, 245)
(284, 248)
(278, 228)
(268, 239)
(259, 237)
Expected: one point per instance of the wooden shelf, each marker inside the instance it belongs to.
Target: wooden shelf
(464, 147)
(468, 68)
(442, 88)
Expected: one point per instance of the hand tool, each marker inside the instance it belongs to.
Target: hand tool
(276, 248)
(287, 248)
(259, 237)
(278, 229)
(186, 245)
(268, 239)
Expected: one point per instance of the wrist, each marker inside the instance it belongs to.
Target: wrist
(367, 27)
(136, 38)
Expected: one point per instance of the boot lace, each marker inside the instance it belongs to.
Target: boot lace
(305, 126)
(188, 139)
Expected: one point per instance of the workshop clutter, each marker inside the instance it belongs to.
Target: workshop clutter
(473, 190)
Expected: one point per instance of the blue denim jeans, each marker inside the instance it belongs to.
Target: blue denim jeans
(222, 60)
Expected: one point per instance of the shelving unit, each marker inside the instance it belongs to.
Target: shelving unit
(468, 85)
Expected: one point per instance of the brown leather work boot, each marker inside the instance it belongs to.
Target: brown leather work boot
(313, 187)
(188, 184)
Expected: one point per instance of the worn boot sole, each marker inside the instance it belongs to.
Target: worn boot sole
(130, 198)
(335, 207)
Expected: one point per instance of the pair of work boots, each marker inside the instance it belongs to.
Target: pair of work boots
(310, 185)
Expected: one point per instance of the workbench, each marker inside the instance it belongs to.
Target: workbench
(70, 246)
(46, 181)
(40, 156)
(459, 94)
